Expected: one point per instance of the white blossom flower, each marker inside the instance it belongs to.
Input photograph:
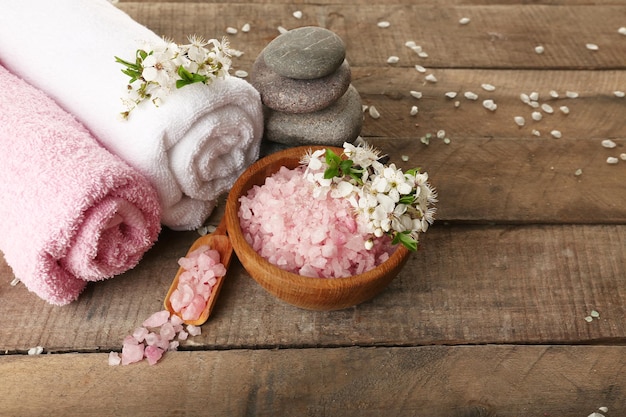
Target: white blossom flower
(387, 200)
(162, 67)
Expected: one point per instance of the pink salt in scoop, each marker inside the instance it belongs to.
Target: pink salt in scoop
(210, 256)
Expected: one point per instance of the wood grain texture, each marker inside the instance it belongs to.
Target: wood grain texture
(466, 285)
(502, 381)
(498, 36)
(487, 319)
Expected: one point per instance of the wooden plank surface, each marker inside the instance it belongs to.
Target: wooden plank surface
(498, 36)
(467, 285)
(443, 381)
(487, 319)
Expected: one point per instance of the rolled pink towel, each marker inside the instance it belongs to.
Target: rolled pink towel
(70, 211)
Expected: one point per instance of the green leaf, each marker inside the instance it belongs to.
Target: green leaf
(405, 239)
(413, 171)
(188, 78)
(332, 159)
(331, 172)
(407, 199)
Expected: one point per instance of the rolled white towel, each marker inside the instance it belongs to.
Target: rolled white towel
(192, 147)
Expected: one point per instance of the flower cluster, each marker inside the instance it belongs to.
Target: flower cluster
(388, 201)
(157, 69)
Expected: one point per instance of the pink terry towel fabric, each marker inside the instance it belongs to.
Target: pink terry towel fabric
(70, 211)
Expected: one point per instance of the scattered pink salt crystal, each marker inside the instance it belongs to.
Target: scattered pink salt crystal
(157, 319)
(131, 352)
(151, 345)
(153, 354)
(140, 334)
(194, 330)
(114, 359)
(167, 332)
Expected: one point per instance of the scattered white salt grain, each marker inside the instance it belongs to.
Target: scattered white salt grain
(245, 28)
(539, 49)
(592, 46)
(622, 30)
(604, 409)
(534, 96)
(383, 24)
(608, 143)
(556, 134)
(393, 59)
(571, 94)
(524, 97)
(241, 73)
(457, 103)
(236, 53)
(410, 44)
(578, 172)
(416, 94)
(535, 132)
(231, 30)
(488, 87)
(612, 160)
(282, 29)
(114, 358)
(422, 54)
(622, 156)
(297, 14)
(470, 95)
(416, 48)
(547, 108)
(451, 94)
(589, 319)
(414, 110)
(373, 111)
(594, 314)
(431, 78)
(534, 104)
(446, 141)
(425, 139)
(364, 107)
(564, 109)
(405, 158)
(441, 134)
(490, 105)
(554, 94)
(464, 20)
(38, 350)
(15, 281)
(619, 94)
(536, 116)
(421, 69)
(519, 120)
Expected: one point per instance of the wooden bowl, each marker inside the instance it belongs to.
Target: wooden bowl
(305, 292)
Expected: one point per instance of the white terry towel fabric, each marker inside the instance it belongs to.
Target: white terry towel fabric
(191, 148)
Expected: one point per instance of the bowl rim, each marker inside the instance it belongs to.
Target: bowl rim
(248, 256)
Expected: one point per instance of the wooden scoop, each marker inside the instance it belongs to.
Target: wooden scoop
(219, 241)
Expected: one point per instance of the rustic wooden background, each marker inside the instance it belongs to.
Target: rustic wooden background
(487, 319)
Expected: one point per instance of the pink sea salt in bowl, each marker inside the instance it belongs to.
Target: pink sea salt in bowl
(302, 291)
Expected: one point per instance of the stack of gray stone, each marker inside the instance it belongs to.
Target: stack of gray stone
(305, 85)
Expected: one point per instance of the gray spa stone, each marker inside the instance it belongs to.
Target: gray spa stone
(305, 53)
(341, 122)
(298, 96)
